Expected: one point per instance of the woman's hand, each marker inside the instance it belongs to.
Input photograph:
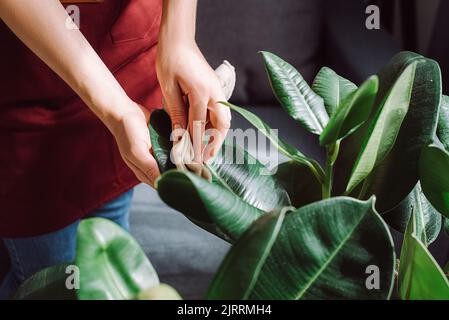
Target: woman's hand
(130, 129)
(189, 85)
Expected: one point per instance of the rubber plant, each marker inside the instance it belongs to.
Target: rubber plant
(318, 230)
(110, 265)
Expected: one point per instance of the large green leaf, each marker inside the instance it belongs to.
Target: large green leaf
(420, 277)
(332, 88)
(47, 284)
(443, 122)
(208, 203)
(417, 130)
(112, 264)
(240, 269)
(295, 95)
(324, 250)
(351, 113)
(384, 128)
(301, 185)
(434, 175)
(428, 219)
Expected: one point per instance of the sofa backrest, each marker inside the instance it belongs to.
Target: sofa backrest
(236, 30)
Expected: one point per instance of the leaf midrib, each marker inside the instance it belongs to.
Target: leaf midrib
(330, 259)
(109, 270)
(300, 94)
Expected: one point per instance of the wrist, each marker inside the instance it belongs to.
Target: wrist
(178, 22)
(110, 106)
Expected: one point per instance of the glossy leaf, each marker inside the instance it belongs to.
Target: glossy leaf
(207, 202)
(323, 251)
(417, 130)
(332, 88)
(434, 175)
(47, 284)
(301, 185)
(428, 219)
(353, 111)
(112, 264)
(420, 277)
(443, 122)
(240, 269)
(384, 128)
(295, 95)
(159, 292)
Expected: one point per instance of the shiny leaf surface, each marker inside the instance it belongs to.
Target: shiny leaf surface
(434, 175)
(47, 284)
(420, 277)
(240, 269)
(332, 88)
(295, 95)
(428, 219)
(301, 185)
(323, 251)
(207, 202)
(351, 113)
(112, 264)
(443, 122)
(384, 128)
(417, 130)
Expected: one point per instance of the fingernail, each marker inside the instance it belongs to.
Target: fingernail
(156, 182)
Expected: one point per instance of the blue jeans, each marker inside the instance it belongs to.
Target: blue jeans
(30, 255)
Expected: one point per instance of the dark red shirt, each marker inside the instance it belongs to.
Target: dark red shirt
(58, 162)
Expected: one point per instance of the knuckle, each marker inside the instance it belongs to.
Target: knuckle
(152, 173)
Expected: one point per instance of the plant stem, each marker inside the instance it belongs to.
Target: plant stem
(317, 171)
(327, 185)
(332, 153)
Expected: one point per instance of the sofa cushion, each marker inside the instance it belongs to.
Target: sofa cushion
(237, 30)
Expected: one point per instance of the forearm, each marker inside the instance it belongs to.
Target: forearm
(41, 25)
(178, 21)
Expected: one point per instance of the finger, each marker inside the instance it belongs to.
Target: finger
(144, 163)
(197, 124)
(176, 107)
(138, 173)
(220, 119)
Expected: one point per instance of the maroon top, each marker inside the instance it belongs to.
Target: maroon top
(58, 162)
